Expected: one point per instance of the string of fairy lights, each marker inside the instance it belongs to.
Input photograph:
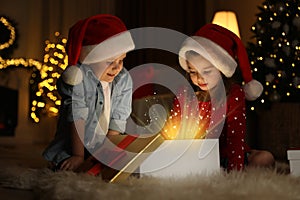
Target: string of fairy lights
(12, 36)
(44, 97)
(275, 55)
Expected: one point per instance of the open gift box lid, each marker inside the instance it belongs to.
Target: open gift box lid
(120, 155)
(179, 158)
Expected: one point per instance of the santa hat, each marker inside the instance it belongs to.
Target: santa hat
(222, 48)
(98, 38)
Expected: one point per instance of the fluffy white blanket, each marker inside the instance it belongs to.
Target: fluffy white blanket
(250, 184)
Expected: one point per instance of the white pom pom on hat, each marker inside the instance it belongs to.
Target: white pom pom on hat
(72, 75)
(222, 48)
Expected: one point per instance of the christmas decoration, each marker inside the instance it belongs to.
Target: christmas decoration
(275, 53)
(43, 94)
(44, 97)
(8, 36)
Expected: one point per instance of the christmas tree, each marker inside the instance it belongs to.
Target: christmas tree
(44, 97)
(275, 54)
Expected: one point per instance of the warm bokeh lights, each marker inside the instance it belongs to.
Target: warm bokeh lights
(43, 97)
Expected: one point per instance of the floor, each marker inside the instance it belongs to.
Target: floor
(25, 155)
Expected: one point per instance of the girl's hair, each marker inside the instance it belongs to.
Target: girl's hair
(228, 82)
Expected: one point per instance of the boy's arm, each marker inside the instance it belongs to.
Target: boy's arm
(112, 132)
(77, 135)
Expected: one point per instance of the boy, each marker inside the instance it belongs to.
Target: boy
(96, 90)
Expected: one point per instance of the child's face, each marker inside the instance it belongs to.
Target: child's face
(204, 74)
(112, 66)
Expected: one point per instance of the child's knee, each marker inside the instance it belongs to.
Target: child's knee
(267, 159)
(261, 159)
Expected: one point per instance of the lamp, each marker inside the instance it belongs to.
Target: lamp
(228, 20)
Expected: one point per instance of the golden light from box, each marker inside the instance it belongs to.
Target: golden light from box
(182, 124)
(176, 128)
(177, 117)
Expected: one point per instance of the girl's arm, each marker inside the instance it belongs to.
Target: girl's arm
(236, 129)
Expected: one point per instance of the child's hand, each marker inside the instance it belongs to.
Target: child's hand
(72, 163)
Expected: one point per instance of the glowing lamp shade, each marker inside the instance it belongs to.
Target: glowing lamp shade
(228, 20)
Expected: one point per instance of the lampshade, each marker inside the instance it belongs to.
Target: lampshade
(228, 20)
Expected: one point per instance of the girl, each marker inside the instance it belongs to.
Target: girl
(210, 58)
(96, 90)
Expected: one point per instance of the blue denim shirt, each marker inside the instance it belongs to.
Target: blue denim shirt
(85, 101)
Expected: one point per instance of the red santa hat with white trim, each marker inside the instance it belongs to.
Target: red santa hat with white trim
(98, 38)
(223, 49)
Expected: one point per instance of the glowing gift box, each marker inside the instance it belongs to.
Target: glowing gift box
(120, 156)
(294, 161)
(179, 158)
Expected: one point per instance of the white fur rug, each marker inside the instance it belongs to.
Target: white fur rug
(250, 184)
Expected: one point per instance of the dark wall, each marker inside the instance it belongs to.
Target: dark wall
(184, 16)
(8, 111)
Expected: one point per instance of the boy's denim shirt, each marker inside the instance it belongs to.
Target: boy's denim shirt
(85, 101)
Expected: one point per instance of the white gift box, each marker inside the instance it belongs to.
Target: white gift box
(179, 158)
(294, 160)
